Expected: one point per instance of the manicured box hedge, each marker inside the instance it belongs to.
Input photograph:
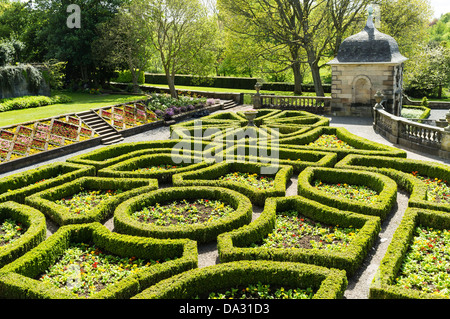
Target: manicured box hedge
(382, 286)
(113, 154)
(329, 283)
(262, 114)
(298, 159)
(383, 185)
(400, 170)
(361, 145)
(201, 129)
(17, 279)
(20, 185)
(235, 245)
(208, 177)
(35, 230)
(125, 169)
(201, 232)
(44, 201)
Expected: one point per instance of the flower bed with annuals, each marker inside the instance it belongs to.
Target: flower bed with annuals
(79, 201)
(270, 237)
(21, 229)
(211, 176)
(416, 264)
(23, 277)
(380, 191)
(200, 283)
(166, 213)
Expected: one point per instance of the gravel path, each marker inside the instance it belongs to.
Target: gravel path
(359, 283)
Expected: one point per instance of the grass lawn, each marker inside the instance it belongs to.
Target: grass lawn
(80, 102)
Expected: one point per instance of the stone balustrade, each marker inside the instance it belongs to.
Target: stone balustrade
(313, 104)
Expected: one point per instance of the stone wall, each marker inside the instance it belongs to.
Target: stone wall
(15, 81)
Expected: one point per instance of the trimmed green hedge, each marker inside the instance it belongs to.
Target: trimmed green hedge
(44, 201)
(126, 168)
(31, 220)
(361, 145)
(298, 159)
(208, 177)
(382, 286)
(113, 154)
(329, 283)
(17, 278)
(234, 245)
(18, 186)
(400, 170)
(201, 232)
(383, 185)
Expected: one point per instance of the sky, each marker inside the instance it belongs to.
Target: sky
(440, 7)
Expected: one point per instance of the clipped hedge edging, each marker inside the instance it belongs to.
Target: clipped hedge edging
(201, 232)
(330, 283)
(208, 177)
(44, 201)
(233, 246)
(400, 170)
(18, 186)
(17, 278)
(382, 285)
(36, 230)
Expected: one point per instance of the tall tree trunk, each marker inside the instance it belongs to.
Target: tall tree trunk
(315, 72)
(171, 83)
(134, 79)
(298, 78)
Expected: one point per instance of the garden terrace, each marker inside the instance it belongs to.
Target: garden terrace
(127, 115)
(426, 252)
(378, 204)
(159, 166)
(18, 186)
(87, 199)
(411, 175)
(327, 283)
(202, 232)
(20, 279)
(240, 243)
(215, 175)
(33, 229)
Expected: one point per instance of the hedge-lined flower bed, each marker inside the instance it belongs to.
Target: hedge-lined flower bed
(379, 205)
(140, 167)
(29, 230)
(210, 176)
(415, 265)
(21, 278)
(126, 216)
(18, 186)
(67, 204)
(409, 175)
(326, 283)
(255, 240)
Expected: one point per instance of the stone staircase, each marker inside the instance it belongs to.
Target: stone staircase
(228, 104)
(108, 134)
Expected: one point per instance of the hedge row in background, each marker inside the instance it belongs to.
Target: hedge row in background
(327, 283)
(208, 176)
(44, 201)
(201, 232)
(31, 220)
(26, 102)
(235, 245)
(383, 285)
(402, 171)
(17, 279)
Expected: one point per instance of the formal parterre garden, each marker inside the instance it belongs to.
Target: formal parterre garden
(166, 197)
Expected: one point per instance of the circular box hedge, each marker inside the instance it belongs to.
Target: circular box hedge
(201, 232)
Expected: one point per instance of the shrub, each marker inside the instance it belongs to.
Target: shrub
(26, 102)
(201, 232)
(383, 185)
(45, 200)
(18, 186)
(383, 286)
(17, 279)
(329, 283)
(208, 176)
(35, 230)
(235, 245)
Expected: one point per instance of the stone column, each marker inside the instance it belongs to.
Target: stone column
(445, 141)
(257, 97)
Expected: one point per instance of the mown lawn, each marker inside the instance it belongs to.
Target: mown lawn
(80, 102)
